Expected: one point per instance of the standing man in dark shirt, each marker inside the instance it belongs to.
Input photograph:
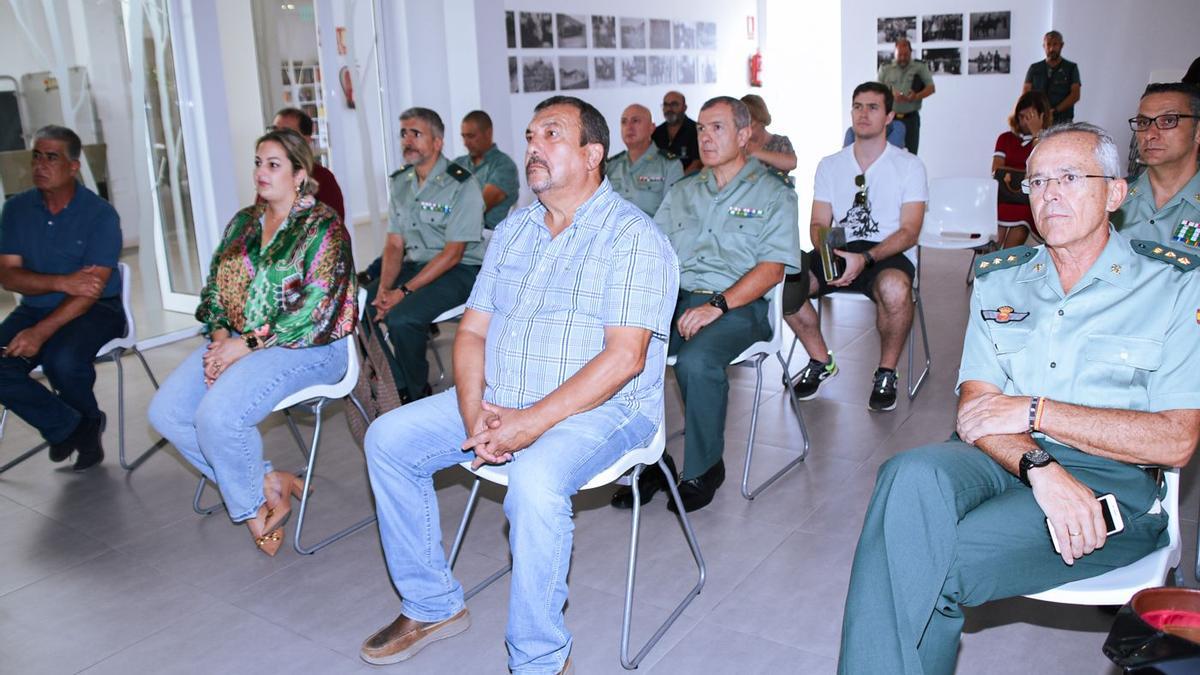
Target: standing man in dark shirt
(328, 190)
(1057, 77)
(677, 134)
(59, 245)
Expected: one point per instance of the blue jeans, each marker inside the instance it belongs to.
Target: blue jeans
(215, 429)
(408, 445)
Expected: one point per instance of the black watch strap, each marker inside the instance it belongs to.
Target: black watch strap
(869, 258)
(718, 301)
(1034, 459)
(405, 290)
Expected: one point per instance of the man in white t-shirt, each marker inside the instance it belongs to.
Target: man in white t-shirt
(877, 192)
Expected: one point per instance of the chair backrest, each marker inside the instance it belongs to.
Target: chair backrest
(961, 213)
(129, 339)
(775, 317)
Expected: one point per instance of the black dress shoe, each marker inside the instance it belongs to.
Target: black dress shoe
(63, 449)
(696, 493)
(650, 482)
(89, 447)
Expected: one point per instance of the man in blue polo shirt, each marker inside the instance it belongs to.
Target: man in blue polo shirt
(59, 245)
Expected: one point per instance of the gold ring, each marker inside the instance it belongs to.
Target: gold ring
(1073, 534)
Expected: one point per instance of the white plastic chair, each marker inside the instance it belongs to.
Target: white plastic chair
(753, 356)
(1118, 586)
(637, 460)
(961, 214)
(112, 350)
(314, 398)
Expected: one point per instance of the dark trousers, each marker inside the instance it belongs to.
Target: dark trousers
(408, 322)
(912, 131)
(700, 370)
(68, 361)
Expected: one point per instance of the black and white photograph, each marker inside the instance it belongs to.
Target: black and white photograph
(537, 31)
(684, 33)
(660, 34)
(572, 72)
(945, 61)
(661, 70)
(633, 33)
(604, 32)
(990, 60)
(605, 71)
(990, 25)
(941, 28)
(884, 57)
(633, 71)
(890, 28)
(513, 82)
(709, 69)
(685, 66)
(572, 31)
(510, 28)
(706, 35)
(537, 73)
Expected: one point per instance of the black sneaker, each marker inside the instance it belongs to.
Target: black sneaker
(883, 391)
(90, 450)
(809, 380)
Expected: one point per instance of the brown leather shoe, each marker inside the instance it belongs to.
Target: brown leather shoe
(568, 669)
(403, 638)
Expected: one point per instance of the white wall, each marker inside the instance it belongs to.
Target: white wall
(242, 91)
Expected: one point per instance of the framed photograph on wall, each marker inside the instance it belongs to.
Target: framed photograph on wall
(510, 29)
(889, 28)
(537, 30)
(884, 57)
(684, 33)
(942, 28)
(995, 60)
(604, 70)
(604, 32)
(943, 61)
(660, 34)
(686, 69)
(706, 35)
(633, 71)
(513, 80)
(709, 70)
(633, 33)
(572, 31)
(537, 72)
(661, 69)
(991, 25)
(572, 72)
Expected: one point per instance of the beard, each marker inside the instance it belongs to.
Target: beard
(544, 182)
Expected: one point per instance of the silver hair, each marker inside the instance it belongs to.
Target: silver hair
(1106, 148)
(741, 113)
(428, 116)
(53, 132)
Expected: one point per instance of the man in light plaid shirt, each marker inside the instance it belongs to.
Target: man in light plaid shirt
(558, 366)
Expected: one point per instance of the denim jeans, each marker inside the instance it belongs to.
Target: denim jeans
(215, 429)
(408, 445)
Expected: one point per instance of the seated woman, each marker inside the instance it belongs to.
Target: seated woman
(280, 294)
(1032, 115)
(771, 149)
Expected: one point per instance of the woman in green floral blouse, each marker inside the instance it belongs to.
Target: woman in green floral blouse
(280, 295)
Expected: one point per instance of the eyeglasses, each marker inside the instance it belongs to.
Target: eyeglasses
(1164, 122)
(860, 199)
(1067, 181)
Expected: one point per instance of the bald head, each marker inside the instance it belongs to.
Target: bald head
(636, 128)
(674, 106)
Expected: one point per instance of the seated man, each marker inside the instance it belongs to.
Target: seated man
(59, 245)
(433, 250)
(559, 364)
(495, 171)
(642, 172)
(1164, 202)
(328, 190)
(1076, 369)
(733, 226)
(878, 193)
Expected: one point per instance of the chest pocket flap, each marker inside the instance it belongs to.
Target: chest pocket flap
(1125, 350)
(1010, 339)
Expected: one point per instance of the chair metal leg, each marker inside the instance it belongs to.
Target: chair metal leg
(25, 455)
(437, 357)
(746, 491)
(627, 616)
(160, 443)
(914, 385)
(3, 421)
(308, 474)
(204, 510)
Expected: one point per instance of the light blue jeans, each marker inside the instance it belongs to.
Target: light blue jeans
(215, 429)
(408, 445)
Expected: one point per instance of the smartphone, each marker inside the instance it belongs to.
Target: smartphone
(1113, 522)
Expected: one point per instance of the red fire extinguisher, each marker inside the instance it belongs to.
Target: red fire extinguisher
(756, 69)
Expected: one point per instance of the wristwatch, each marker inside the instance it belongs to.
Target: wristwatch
(252, 341)
(718, 301)
(869, 258)
(1034, 459)
(405, 290)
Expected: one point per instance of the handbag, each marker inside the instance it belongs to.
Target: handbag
(1009, 188)
(376, 387)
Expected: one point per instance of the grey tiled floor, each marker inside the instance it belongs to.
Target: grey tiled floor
(110, 572)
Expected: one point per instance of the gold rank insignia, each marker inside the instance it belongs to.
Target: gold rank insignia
(1133, 191)
(1166, 254)
(1011, 257)
(1038, 267)
(1116, 269)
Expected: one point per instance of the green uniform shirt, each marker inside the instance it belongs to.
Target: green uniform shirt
(645, 181)
(496, 168)
(721, 234)
(1176, 223)
(449, 207)
(905, 81)
(1125, 337)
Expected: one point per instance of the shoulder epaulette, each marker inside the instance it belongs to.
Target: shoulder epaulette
(1152, 249)
(617, 156)
(457, 172)
(401, 170)
(782, 176)
(668, 154)
(1009, 257)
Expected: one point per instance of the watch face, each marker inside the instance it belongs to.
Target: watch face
(1037, 457)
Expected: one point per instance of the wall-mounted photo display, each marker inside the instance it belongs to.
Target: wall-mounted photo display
(660, 34)
(537, 31)
(604, 32)
(633, 33)
(990, 60)
(888, 29)
(706, 35)
(991, 25)
(684, 33)
(513, 84)
(572, 72)
(661, 69)
(942, 28)
(943, 61)
(572, 31)
(537, 72)
(709, 69)
(510, 29)
(884, 57)
(686, 69)
(604, 71)
(633, 71)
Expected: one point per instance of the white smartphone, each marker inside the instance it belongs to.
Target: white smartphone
(1112, 519)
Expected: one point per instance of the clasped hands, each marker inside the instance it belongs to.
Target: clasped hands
(222, 353)
(497, 433)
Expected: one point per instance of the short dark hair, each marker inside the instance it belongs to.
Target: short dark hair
(1190, 91)
(428, 116)
(480, 119)
(741, 112)
(594, 126)
(54, 132)
(875, 88)
(1036, 100)
(302, 119)
(1053, 34)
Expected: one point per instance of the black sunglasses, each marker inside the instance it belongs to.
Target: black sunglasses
(860, 199)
